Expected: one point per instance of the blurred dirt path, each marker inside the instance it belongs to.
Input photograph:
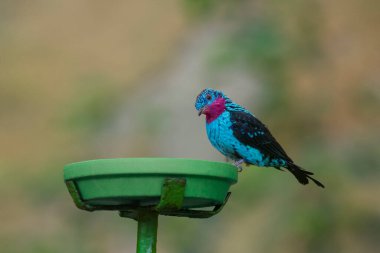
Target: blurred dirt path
(159, 118)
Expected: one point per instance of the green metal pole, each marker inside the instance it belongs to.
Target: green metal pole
(147, 232)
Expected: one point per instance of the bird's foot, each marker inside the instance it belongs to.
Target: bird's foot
(238, 164)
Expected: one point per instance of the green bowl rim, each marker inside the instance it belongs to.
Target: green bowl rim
(159, 166)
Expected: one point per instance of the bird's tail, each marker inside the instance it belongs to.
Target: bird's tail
(302, 175)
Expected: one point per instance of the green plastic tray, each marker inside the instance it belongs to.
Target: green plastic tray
(137, 182)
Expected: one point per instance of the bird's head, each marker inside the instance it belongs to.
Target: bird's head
(210, 100)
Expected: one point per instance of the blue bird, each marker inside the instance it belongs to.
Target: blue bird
(240, 136)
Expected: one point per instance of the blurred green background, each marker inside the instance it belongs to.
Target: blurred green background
(92, 79)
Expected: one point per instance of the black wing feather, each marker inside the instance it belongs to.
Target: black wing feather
(244, 127)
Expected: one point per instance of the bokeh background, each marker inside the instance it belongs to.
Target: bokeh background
(93, 79)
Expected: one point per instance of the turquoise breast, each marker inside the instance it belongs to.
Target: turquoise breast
(221, 136)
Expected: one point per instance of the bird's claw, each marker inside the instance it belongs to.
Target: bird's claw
(238, 164)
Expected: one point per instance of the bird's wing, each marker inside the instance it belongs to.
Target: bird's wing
(251, 132)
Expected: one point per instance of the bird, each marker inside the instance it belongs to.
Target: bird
(240, 136)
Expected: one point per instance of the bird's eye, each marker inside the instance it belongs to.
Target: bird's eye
(208, 97)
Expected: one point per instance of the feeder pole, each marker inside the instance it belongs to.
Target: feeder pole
(147, 231)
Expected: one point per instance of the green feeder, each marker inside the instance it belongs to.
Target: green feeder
(143, 188)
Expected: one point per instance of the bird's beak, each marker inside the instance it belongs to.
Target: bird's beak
(202, 110)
